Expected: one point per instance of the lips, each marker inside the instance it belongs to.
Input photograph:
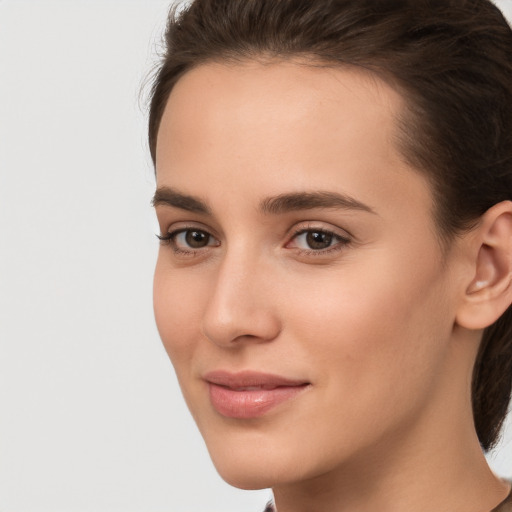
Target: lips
(250, 394)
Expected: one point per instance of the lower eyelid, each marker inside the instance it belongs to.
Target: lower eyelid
(322, 252)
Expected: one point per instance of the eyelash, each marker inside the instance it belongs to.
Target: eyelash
(170, 239)
(340, 241)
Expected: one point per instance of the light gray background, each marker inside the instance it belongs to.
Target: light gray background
(91, 418)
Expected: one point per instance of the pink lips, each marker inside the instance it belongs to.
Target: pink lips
(249, 394)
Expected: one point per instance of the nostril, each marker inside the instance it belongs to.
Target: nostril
(251, 326)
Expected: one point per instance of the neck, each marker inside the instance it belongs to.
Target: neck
(453, 477)
(440, 486)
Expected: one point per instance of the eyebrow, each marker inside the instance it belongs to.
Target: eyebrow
(276, 205)
(296, 201)
(170, 197)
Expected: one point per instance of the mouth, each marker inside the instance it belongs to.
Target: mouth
(248, 394)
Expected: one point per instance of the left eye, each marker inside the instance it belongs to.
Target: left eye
(188, 240)
(193, 239)
(317, 240)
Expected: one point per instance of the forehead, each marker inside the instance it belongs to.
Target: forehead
(262, 98)
(267, 128)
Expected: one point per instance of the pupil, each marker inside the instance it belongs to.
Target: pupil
(196, 239)
(318, 240)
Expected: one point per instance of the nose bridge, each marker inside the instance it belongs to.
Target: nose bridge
(240, 306)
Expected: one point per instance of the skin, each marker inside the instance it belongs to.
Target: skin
(371, 321)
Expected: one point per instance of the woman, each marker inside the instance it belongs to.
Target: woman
(334, 185)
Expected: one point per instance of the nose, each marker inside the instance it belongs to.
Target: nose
(241, 308)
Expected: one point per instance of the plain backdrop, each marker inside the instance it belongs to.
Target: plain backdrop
(91, 418)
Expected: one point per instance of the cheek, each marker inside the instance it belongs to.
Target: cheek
(178, 309)
(374, 332)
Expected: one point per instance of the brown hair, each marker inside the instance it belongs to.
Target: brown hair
(452, 62)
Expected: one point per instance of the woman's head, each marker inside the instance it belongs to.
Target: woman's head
(417, 97)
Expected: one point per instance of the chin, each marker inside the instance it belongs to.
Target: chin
(250, 475)
(247, 482)
(250, 466)
(254, 462)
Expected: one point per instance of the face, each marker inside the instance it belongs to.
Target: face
(300, 290)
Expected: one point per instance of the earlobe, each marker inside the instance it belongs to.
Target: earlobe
(489, 292)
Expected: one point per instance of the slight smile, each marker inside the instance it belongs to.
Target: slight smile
(250, 394)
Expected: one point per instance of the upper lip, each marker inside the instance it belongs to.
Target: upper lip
(250, 379)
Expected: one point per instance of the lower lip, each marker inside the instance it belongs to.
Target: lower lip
(250, 404)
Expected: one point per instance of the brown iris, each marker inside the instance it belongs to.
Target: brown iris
(197, 239)
(318, 239)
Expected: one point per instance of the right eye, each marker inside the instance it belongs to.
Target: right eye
(188, 240)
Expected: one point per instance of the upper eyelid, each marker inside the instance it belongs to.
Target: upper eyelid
(326, 227)
(300, 231)
(176, 226)
(296, 229)
(171, 233)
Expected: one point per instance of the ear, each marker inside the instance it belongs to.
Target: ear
(489, 290)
